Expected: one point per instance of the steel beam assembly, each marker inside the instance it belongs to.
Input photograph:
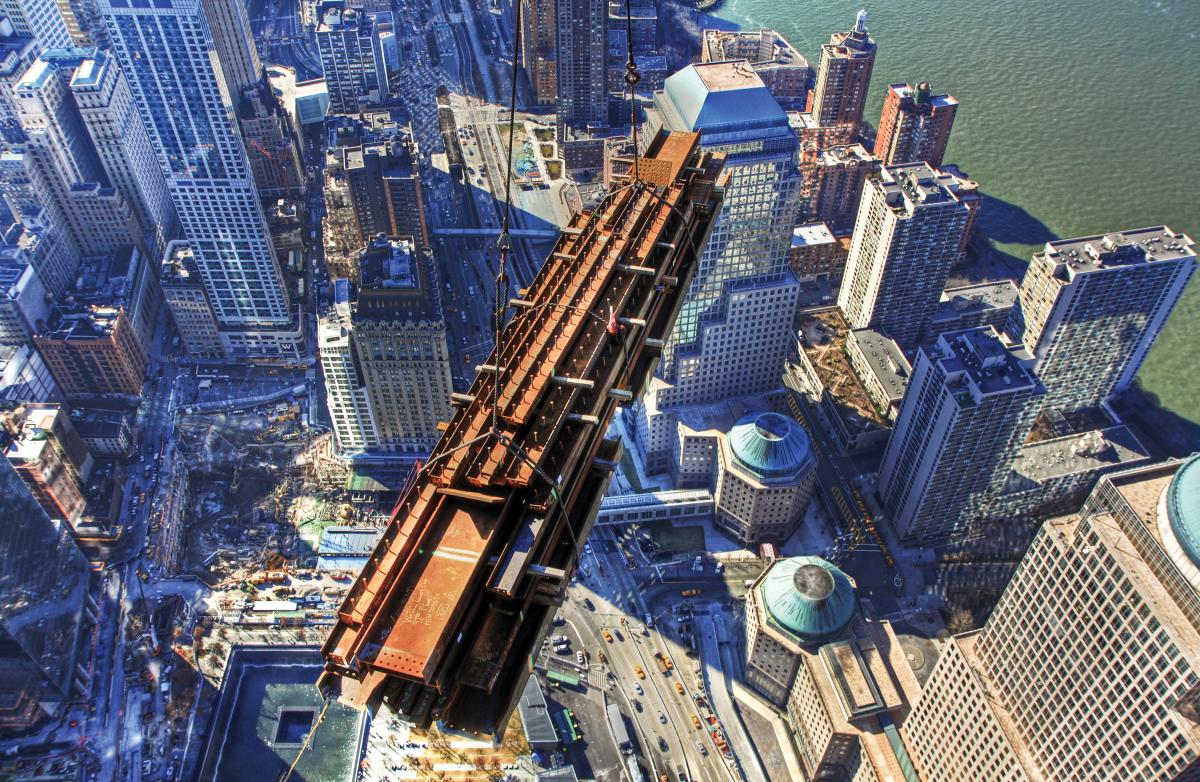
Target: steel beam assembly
(448, 612)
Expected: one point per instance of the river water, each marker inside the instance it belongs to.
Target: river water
(1077, 117)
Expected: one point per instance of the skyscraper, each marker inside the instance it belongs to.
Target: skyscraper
(40, 19)
(844, 77)
(351, 56)
(84, 24)
(1091, 308)
(385, 357)
(966, 411)
(165, 54)
(833, 179)
(537, 49)
(910, 226)
(732, 333)
(82, 127)
(233, 40)
(1089, 666)
(915, 125)
(582, 94)
(45, 610)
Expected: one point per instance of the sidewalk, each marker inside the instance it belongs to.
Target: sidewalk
(716, 663)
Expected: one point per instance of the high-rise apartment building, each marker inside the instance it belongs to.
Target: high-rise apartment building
(165, 54)
(233, 41)
(915, 125)
(833, 178)
(844, 78)
(384, 354)
(17, 53)
(581, 98)
(351, 56)
(84, 24)
(1089, 666)
(1091, 308)
(783, 70)
(967, 409)
(50, 457)
(46, 610)
(383, 190)
(40, 19)
(24, 301)
(909, 229)
(47, 250)
(538, 36)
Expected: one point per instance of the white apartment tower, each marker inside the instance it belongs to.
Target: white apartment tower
(1092, 307)
(165, 52)
(966, 411)
(910, 225)
(1088, 669)
(351, 56)
(345, 387)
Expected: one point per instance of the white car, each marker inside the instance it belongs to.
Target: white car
(638, 689)
(662, 718)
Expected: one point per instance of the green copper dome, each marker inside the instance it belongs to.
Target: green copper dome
(770, 445)
(1183, 508)
(808, 597)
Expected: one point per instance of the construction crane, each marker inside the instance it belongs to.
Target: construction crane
(283, 169)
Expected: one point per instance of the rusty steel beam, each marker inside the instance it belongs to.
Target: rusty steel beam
(466, 577)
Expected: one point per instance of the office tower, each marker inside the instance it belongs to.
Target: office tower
(844, 77)
(40, 19)
(123, 145)
(915, 125)
(797, 603)
(84, 23)
(92, 352)
(967, 409)
(17, 53)
(47, 250)
(538, 35)
(910, 225)
(62, 161)
(351, 56)
(731, 335)
(233, 40)
(765, 477)
(24, 377)
(49, 456)
(1089, 666)
(384, 354)
(783, 70)
(833, 178)
(582, 90)
(165, 54)
(1091, 308)
(187, 299)
(46, 610)
(24, 302)
(271, 146)
(383, 190)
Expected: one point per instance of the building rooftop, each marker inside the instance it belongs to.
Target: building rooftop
(724, 96)
(179, 264)
(770, 445)
(535, 714)
(848, 155)
(770, 47)
(922, 95)
(978, 362)
(812, 234)
(908, 184)
(97, 422)
(1183, 508)
(985, 296)
(807, 597)
(825, 333)
(348, 541)
(395, 283)
(1079, 452)
(885, 360)
(1118, 249)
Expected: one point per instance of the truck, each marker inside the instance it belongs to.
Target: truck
(635, 771)
(616, 723)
